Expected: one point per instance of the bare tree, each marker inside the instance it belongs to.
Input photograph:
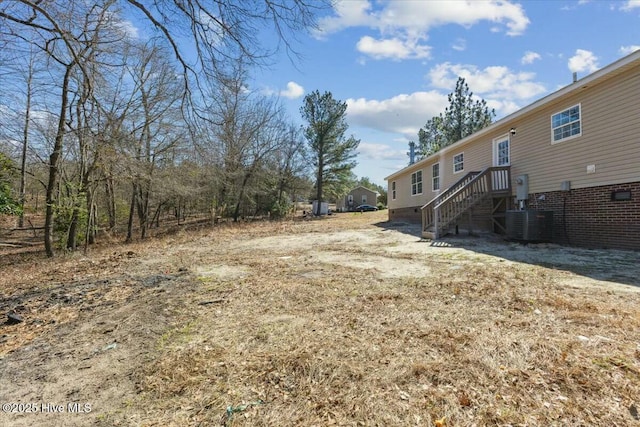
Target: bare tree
(227, 31)
(31, 61)
(249, 129)
(56, 32)
(157, 94)
(291, 166)
(70, 33)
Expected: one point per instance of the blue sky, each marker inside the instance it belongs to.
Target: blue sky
(395, 62)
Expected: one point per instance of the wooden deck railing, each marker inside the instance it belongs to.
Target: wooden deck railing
(443, 210)
(428, 217)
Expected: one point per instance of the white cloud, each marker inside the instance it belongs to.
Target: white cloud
(631, 4)
(127, 28)
(347, 14)
(374, 151)
(503, 107)
(123, 26)
(393, 48)
(401, 24)
(504, 90)
(583, 61)
(403, 114)
(529, 57)
(626, 50)
(459, 45)
(420, 16)
(293, 91)
(574, 6)
(496, 84)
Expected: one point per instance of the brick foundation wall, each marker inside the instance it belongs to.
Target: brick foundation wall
(412, 214)
(585, 217)
(588, 217)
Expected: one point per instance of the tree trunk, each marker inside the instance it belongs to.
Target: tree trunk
(143, 210)
(90, 237)
(111, 202)
(236, 212)
(83, 184)
(319, 184)
(156, 216)
(132, 208)
(72, 235)
(92, 220)
(53, 164)
(25, 143)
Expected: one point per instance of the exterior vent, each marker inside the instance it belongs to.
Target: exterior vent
(530, 225)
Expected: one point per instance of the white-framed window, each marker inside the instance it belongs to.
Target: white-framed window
(435, 176)
(364, 199)
(393, 190)
(502, 151)
(566, 124)
(416, 183)
(458, 163)
(350, 199)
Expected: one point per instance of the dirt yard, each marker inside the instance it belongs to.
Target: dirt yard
(349, 320)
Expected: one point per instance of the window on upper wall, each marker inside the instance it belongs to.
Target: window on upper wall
(435, 176)
(416, 183)
(566, 124)
(458, 163)
(393, 190)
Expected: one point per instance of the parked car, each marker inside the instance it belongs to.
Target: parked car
(365, 208)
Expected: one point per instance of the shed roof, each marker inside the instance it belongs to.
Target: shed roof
(365, 188)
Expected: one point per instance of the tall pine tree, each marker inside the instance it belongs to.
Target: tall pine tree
(333, 154)
(463, 117)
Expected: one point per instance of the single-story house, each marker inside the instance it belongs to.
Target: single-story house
(356, 197)
(573, 155)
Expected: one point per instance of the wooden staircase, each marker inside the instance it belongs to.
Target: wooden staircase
(442, 212)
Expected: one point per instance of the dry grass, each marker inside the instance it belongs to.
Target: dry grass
(473, 346)
(273, 335)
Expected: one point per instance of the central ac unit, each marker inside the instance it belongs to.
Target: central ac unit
(530, 225)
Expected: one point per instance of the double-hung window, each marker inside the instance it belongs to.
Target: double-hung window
(416, 183)
(393, 190)
(458, 163)
(566, 124)
(435, 176)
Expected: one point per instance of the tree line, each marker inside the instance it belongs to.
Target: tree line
(101, 129)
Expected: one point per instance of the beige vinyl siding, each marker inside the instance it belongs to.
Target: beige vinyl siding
(477, 156)
(606, 110)
(361, 191)
(610, 140)
(403, 187)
